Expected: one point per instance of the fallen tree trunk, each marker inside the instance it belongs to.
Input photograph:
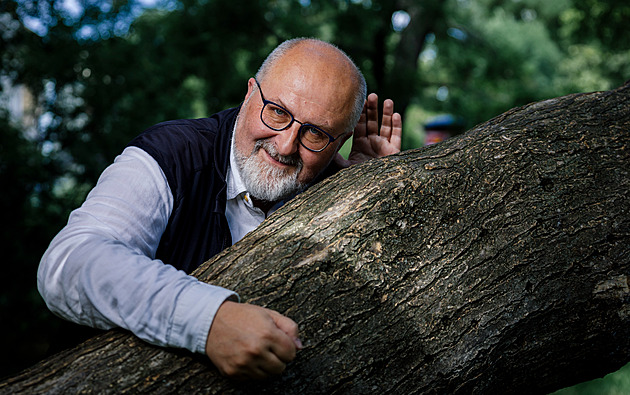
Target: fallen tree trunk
(496, 262)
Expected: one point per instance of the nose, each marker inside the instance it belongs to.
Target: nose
(287, 140)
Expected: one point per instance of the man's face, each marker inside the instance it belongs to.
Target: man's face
(265, 182)
(275, 161)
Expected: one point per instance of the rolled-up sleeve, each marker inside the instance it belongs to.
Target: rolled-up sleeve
(101, 271)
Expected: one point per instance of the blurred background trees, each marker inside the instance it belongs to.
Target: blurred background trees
(80, 78)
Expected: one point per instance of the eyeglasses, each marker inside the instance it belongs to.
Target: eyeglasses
(278, 118)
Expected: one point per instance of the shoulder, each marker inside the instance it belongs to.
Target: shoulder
(179, 134)
(185, 146)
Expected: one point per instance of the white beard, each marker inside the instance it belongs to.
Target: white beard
(264, 181)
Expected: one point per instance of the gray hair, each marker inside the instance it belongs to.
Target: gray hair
(287, 45)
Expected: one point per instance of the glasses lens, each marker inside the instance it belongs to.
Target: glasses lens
(275, 117)
(313, 138)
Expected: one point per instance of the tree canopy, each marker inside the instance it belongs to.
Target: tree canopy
(98, 73)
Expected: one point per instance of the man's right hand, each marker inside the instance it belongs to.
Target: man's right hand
(248, 341)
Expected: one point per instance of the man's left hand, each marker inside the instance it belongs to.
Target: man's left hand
(368, 141)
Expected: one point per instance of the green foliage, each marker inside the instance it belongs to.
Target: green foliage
(616, 383)
(32, 214)
(596, 21)
(493, 56)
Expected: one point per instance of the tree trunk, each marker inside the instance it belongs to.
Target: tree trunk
(401, 81)
(495, 262)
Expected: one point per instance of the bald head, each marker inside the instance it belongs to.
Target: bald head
(324, 68)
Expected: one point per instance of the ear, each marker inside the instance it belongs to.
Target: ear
(251, 86)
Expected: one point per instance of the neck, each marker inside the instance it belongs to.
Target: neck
(264, 205)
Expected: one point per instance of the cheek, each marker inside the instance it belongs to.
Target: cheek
(314, 163)
(248, 132)
(258, 131)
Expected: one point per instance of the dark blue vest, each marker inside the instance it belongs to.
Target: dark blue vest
(194, 155)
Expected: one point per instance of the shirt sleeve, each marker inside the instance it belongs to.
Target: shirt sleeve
(101, 271)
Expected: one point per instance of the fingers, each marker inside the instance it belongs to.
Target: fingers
(391, 124)
(247, 341)
(288, 326)
(369, 140)
(371, 111)
(267, 365)
(396, 136)
(391, 128)
(360, 130)
(284, 340)
(388, 112)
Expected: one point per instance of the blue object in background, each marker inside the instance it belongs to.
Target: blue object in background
(443, 127)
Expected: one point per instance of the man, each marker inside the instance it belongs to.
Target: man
(184, 190)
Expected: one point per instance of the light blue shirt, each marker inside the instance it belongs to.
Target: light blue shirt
(101, 271)
(242, 215)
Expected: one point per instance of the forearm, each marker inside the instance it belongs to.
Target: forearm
(100, 269)
(100, 284)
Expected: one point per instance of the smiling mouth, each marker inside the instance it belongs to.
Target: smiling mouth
(278, 159)
(272, 153)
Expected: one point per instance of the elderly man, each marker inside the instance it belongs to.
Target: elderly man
(184, 190)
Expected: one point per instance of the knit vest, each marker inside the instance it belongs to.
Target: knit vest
(194, 155)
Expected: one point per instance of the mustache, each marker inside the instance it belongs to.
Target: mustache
(291, 160)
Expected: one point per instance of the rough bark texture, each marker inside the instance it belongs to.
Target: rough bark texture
(496, 262)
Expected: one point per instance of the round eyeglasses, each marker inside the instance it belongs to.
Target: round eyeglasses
(278, 118)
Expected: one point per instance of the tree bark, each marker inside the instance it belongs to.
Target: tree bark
(494, 262)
